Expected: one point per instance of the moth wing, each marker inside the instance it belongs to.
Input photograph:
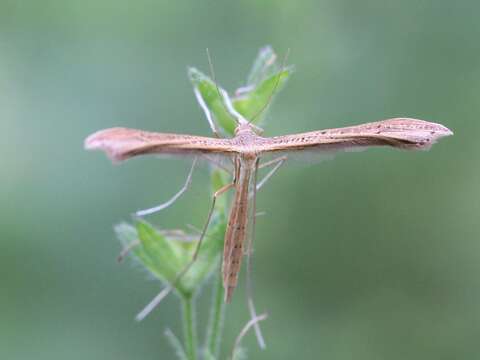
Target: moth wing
(402, 133)
(122, 143)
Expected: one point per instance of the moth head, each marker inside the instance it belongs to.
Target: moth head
(248, 128)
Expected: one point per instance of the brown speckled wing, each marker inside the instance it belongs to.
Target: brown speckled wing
(402, 133)
(121, 143)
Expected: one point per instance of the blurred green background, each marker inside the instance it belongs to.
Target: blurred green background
(373, 255)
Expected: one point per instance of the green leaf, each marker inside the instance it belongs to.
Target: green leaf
(154, 251)
(258, 98)
(213, 100)
(265, 80)
(161, 256)
(209, 255)
(165, 255)
(265, 64)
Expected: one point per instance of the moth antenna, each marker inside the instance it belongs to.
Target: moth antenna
(269, 100)
(223, 94)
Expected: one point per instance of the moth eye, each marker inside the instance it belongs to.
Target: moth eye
(323, 132)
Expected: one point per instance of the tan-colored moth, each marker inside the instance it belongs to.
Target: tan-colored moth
(246, 149)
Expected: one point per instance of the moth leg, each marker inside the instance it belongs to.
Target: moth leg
(252, 322)
(277, 162)
(157, 299)
(174, 198)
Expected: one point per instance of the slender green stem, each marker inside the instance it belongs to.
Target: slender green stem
(215, 322)
(189, 331)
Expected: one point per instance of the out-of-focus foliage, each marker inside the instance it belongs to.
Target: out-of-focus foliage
(373, 255)
(264, 82)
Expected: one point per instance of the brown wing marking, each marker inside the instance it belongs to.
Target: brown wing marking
(399, 132)
(121, 143)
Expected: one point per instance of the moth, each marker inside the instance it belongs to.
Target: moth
(246, 149)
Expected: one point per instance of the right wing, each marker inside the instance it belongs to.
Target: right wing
(401, 133)
(122, 143)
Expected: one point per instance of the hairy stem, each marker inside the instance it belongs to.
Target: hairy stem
(189, 331)
(215, 322)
